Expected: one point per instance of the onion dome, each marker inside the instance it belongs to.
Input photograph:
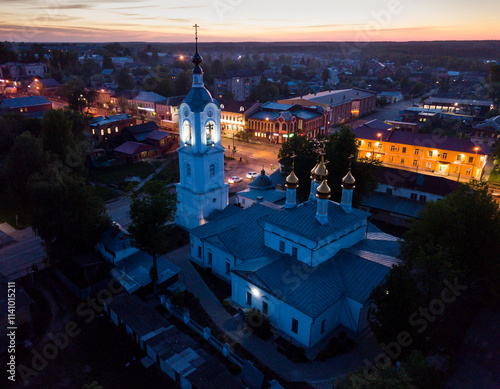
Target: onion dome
(321, 172)
(323, 191)
(292, 181)
(313, 169)
(348, 181)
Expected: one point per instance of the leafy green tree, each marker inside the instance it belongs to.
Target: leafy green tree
(57, 134)
(124, 79)
(456, 237)
(306, 152)
(66, 213)
(150, 212)
(286, 70)
(182, 83)
(92, 385)
(396, 299)
(107, 62)
(325, 75)
(27, 158)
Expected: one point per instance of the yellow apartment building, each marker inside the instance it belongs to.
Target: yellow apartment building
(423, 153)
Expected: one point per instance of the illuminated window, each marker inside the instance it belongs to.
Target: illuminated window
(459, 157)
(457, 169)
(109, 130)
(429, 153)
(102, 132)
(467, 171)
(93, 131)
(428, 165)
(116, 129)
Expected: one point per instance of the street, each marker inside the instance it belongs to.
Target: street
(389, 112)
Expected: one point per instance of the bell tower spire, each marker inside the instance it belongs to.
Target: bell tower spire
(197, 60)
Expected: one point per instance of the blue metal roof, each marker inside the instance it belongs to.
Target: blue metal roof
(272, 196)
(20, 102)
(301, 220)
(393, 204)
(277, 106)
(351, 273)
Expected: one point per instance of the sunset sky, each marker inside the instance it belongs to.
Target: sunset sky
(245, 20)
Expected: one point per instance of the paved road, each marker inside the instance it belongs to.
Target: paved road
(389, 112)
(17, 258)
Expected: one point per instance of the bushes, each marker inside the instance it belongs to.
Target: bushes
(259, 324)
(337, 346)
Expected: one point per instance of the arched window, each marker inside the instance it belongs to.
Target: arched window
(212, 170)
(277, 126)
(188, 170)
(186, 133)
(210, 131)
(284, 127)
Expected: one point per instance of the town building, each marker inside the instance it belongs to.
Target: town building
(343, 105)
(32, 105)
(110, 126)
(278, 121)
(402, 194)
(135, 151)
(239, 84)
(404, 126)
(392, 97)
(234, 115)
(43, 86)
(486, 133)
(168, 110)
(263, 189)
(445, 156)
(476, 108)
(146, 102)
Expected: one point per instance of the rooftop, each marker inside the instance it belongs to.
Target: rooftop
(443, 100)
(131, 148)
(21, 102)
(151, 97)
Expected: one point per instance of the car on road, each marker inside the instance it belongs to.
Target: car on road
(234, 180)
(252, 174)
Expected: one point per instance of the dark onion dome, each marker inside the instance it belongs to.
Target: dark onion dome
(262, 182)
(292, 181)
(348, 181)
(323, 191)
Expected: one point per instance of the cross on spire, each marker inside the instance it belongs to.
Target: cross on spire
(350, 160)
(293, 156)
(196, 34)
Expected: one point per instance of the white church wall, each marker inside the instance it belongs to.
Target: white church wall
(280, 314)
(329, 250)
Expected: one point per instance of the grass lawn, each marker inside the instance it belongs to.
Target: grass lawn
(117, 174)
(494, 177)
(106, 193)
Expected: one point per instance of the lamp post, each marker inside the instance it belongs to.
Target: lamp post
(474, 162)
(379, 136)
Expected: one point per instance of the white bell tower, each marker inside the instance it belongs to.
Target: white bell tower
(201, 189)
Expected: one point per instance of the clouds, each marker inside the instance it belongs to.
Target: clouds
(243, 20)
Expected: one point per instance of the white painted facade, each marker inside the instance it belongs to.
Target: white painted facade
(201, 189)
(309, 251)
(119, 255)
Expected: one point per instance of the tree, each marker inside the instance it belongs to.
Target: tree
(122, 103)
(182, 83)
(150, 212)
(286, 70)
(124, 79)
(496, 154)
(66, 213)
(107, 62)
(27, 158)
(325, 75)
(57, 134)
(395, 300)
(456, 237)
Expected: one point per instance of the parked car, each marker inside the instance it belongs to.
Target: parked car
(234, 180)
(252, 174)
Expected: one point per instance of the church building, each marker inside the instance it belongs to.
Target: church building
(309, 267)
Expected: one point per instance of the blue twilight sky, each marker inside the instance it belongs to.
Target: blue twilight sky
(248, 20)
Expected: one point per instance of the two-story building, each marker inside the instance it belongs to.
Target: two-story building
(234, 115)
(431, 154)
(276, 122)
(476, 108)
(343, 105)
(486, 133)
(110, 126)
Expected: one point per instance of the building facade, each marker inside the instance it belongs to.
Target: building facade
(343, 105)
(448, 157)
(239, 85)
(234, 115)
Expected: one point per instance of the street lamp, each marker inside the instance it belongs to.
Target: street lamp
(379, 136)
(474, 162)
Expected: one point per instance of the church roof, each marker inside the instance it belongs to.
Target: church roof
(240, 233)
(198, 98)
(262, 182)
(351, 273)
(301, 220)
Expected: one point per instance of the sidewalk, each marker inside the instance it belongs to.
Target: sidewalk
(314, 372)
